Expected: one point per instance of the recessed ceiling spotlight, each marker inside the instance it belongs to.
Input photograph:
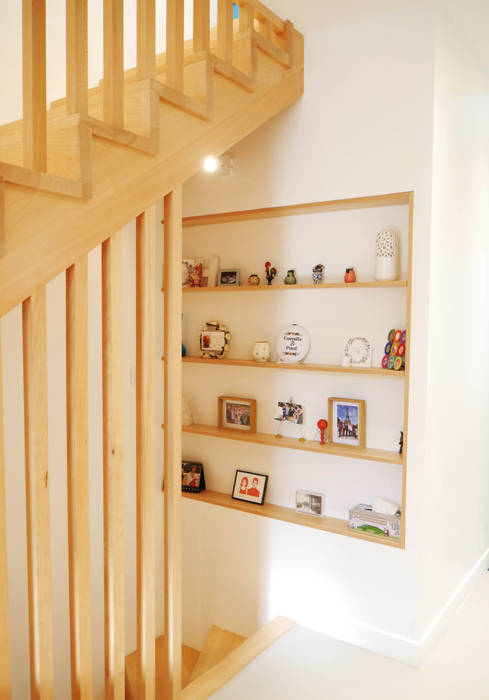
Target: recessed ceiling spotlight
(222, 165)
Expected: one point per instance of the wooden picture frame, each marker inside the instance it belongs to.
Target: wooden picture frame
(235, 413)
(346, 419)
(249, 486)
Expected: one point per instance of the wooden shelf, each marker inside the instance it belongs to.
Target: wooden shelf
(366, 453)
(292, 287)
(288, 515)
(383, 200)
(298, 367)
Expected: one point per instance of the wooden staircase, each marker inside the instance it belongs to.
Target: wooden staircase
(70, 178)
(223, 655)
(106, 154)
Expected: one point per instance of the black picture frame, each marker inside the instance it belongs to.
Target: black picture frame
(241, 493)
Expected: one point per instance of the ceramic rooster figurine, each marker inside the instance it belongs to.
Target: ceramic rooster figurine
(270, 272)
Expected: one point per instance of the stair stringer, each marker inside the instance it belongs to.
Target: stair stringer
(45, 232)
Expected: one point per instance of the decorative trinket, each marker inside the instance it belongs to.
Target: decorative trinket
(270, 272)
(196, 276)
(290, 277)
(262, 351)
(395, 350)
(387, 254)
(350, 275)
(317, 273)
(323, 427)
(358, 352)
(253, 280)
(214, 340)
(401, 442)
(293, 344)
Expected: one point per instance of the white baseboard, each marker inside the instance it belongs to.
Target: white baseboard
(414, 651)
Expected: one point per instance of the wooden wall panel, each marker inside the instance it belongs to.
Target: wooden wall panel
(78, 486)
(34, 83)
(173, 437)
(113, 417)
(145, 448)
(37, 495)
(77, 56)
(4, 615)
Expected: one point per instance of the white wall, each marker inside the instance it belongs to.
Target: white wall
(456, 522)
(364, 126)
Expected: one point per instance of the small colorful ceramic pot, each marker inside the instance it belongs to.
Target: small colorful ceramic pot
(350, 275)
(253, 280)
(290, 277)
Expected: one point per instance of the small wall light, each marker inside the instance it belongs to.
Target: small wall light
(222, 165)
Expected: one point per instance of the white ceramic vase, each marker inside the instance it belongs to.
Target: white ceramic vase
(387, 255)
(262, 351)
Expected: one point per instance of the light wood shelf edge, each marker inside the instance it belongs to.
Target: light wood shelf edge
(385, 200)
(288, 515)
(366, 453)
(294, 287)
(301, 367)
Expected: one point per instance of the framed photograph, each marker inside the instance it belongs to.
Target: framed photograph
(309, 502)
(347, 422)
(236, 414)
(290, 412)
(228, 278)
(193, 479)
(215, 339)
(249, 486)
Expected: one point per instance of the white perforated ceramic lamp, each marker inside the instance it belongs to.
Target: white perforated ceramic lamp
(387, 255)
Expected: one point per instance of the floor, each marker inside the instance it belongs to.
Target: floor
(309, 666)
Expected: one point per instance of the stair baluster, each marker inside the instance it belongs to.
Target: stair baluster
(34, 84)
(76, 57)
(78, 485)
(113, 426)
(4, 613)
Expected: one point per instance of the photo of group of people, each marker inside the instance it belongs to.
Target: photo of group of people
(347, 421)
(238, 413)
(249, 486)
(290, 412)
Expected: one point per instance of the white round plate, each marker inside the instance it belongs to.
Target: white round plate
(293, 343)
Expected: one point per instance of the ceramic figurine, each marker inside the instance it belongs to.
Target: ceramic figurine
(253, 280)
(350, 275)
(323, 426)
(290, 277)
(184, 350)
(270, 272)
(262, 351)
(401, 442)
(317, 273)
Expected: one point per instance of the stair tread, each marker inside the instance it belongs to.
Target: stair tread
(189, 659)
(218, 645)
